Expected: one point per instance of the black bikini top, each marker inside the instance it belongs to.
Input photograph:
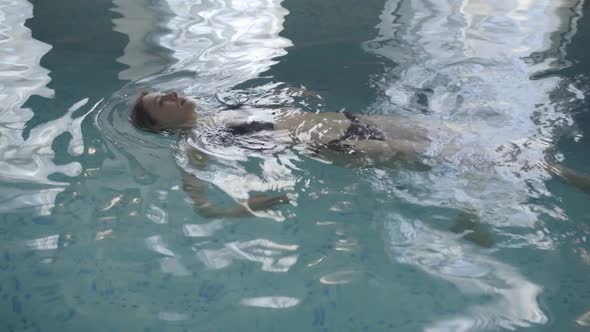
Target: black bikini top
(356, 131)
(249, 127)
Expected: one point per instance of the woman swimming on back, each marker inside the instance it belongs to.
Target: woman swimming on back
(343, 138)
(340, 137)
(378, 139)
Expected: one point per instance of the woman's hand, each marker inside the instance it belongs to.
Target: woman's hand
(304, 93)
(265, 202)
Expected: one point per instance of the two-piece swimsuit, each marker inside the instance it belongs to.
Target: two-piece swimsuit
(355, 131)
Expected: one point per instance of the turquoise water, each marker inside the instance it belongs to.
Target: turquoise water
(97, 234)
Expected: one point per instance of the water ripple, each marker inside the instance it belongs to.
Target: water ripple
(514, 298)
(27, 163)
(470, 63)
(273, 257)
(214, 44)
(225, 42)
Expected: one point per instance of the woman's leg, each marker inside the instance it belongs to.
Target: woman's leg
(415, 129)
(390, 153)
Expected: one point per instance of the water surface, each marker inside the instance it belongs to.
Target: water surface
(98, 234)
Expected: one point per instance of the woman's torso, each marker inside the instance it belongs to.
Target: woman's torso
(314, 129)
(288, 126)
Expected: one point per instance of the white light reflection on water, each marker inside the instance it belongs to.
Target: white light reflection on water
(340, 277)
(202, 230)
(212, 44)
(26, 164)
(172, 316)
(157, 244)
(275, 302)
(274, 257)
(173, 266)
(44, 243)
(230, 40)
(471, 61)
(138, 22)
(513, 298)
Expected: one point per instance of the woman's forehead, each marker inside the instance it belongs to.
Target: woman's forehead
(152, 95)
(149, 101)
(149, 98)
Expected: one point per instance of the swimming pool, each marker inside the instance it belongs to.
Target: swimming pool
(98, 234)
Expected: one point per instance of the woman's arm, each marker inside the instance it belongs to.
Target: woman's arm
(286, 91)
(196, 190)
(292, 91)
(577, 179)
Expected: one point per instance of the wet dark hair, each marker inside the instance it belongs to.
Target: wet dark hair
(139, 117)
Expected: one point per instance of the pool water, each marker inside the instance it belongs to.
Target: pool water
(97, 234)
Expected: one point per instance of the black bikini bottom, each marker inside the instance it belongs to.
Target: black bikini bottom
(357, 131)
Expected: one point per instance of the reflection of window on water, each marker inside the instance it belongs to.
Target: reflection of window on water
(138, 22)
(30, 161)
(511, 297)
(44, 243)
(238, 38)
(471, 57)
(481, 28)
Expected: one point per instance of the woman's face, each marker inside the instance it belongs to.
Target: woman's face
(170, 110)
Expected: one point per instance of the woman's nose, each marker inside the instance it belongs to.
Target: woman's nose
(172, 95)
